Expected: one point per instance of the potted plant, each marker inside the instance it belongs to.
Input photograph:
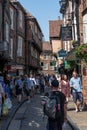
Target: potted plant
(81, 52)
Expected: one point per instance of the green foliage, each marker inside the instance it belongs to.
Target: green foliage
(73, 42)
(81, 52)
(72, 64)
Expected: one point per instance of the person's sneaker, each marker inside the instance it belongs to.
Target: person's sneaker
(81, 109)
(77, 110)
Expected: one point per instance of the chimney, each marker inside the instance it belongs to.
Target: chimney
(58, 17)
(13, 0)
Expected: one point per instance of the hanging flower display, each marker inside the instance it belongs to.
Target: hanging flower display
(74, 43)
(81, 52)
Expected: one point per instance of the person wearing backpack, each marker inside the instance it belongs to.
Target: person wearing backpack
(55, 107)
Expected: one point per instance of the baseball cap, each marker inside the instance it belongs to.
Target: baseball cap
(55, 83)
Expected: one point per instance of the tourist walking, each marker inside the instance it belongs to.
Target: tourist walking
(27, 87)
(19, 88)
(42, 84)
(2, 95)
(55, 121)
(32, 84)
(76, 86)
(37, 84)
(65, 87)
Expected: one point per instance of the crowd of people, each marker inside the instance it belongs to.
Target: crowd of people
(62, 88)
(19, 86)
(72, 87)
(29, 85)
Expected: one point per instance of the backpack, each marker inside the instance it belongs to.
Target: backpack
(51, 106)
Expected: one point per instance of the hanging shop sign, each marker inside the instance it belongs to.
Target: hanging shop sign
(66, 65)
(62, 53)
(66, 33)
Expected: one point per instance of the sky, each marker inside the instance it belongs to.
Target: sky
(43, 11)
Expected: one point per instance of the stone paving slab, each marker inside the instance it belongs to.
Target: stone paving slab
(15, 125)
(34, 116)
(78, 119)
(6, 120)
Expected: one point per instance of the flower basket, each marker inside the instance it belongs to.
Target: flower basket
(81, 52)
(74, 43)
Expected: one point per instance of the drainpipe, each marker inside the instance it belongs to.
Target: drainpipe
(77, 21)
(3, 7)
(78, 31)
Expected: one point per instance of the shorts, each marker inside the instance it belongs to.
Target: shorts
(27, 92)
(37, 86)
(18, 91)
(77, 96)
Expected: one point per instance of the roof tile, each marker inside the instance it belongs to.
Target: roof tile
(54, 28)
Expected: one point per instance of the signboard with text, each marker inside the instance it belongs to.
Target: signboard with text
(67, 65)
(66, 33)
(61, 53)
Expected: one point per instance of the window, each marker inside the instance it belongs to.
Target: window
(36, 54)
(12, 17)
(85, 28)
(52, 57)
(41, 63)
(45, 57)
(20, 42)
(45, 67)
(52, 65)
(7, 32)
(39, 35)
(20, 19)
(32, 51)
(35, 29)
(52, 68)
(84, 4)
(11, 48)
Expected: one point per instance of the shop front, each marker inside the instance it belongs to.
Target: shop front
(15, 70)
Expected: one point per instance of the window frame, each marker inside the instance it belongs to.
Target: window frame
(20, 46)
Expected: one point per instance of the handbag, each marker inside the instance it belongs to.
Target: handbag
(8, 103)
(4, 110)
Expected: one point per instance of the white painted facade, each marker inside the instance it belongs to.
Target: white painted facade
(85, 28)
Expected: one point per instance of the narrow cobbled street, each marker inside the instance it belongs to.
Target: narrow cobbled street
(33, 117)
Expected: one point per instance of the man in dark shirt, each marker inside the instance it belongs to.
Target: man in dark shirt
(56, 124)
